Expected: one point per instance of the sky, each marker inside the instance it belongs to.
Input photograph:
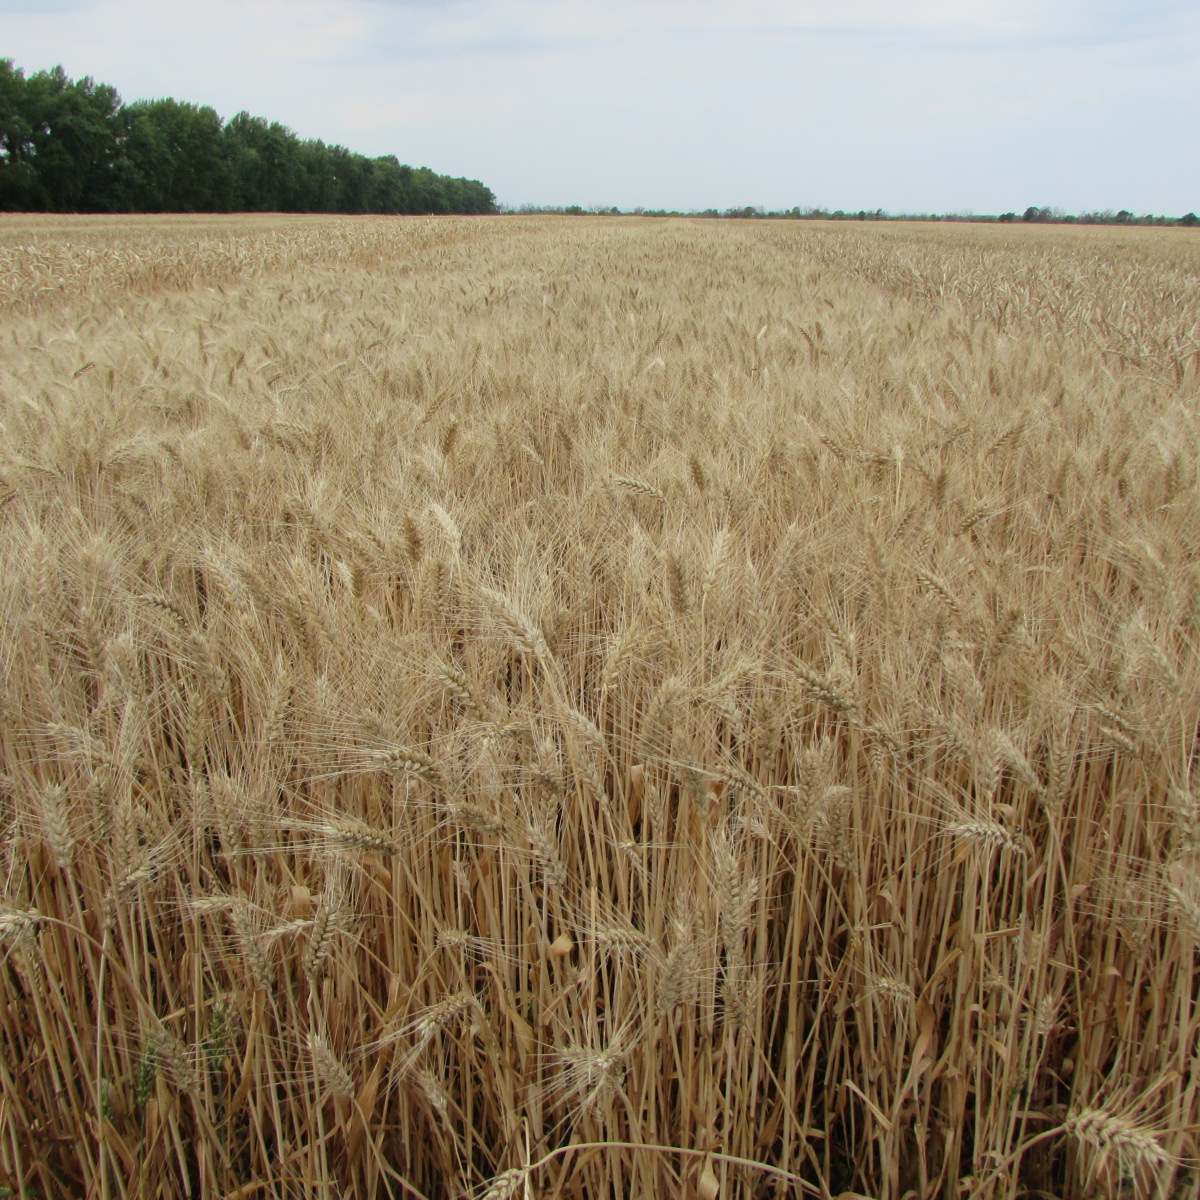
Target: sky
(943, 106)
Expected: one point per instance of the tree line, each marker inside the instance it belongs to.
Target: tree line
(73, 146)
(750, 212)
(1046, 215)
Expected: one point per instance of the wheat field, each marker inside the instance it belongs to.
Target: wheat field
(545, 707)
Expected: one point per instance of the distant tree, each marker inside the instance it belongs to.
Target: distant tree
(1189, 219)
(58, 142)
(429, 190)
(316, 182)
(76, 160)
(172, 158)
(480, 198)
(70, 146)
(18, 171)
(1124, 217)
(346, 181)
(1007, 217)
(388, 185)
(265, 165)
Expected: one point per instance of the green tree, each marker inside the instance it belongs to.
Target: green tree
(429, 192)
(18, 173)
(389, 186)
(315, 183)
(59, 142)
(353, 177)
(173, 158)
(265, 165)
(71, 146)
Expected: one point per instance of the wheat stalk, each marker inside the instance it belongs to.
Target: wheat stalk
(396, 772)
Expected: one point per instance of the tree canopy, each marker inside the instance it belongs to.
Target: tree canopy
(72, 146)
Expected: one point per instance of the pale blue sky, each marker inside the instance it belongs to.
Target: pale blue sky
(907, 105)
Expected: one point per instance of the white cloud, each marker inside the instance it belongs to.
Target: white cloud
(928, 104)
(551, 21)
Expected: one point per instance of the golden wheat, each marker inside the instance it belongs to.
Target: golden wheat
(597, 708)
